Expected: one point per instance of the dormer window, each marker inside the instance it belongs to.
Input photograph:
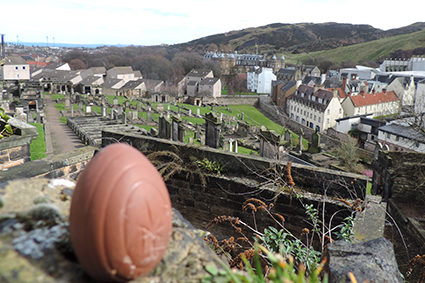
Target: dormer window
(320, 100)
(302, 94)
(313, 98)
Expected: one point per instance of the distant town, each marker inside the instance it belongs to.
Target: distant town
(347, 100)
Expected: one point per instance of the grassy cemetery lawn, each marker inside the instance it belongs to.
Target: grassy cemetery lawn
(250, 115)
(38, 145)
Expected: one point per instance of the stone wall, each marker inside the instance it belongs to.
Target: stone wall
(15, 149)
(62, 165)
(313, 179)
(400, 175)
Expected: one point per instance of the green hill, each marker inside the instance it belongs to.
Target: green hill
(375, 50)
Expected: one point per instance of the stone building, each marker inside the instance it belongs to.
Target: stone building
(314, 107)
(234, 63)
(14, 68)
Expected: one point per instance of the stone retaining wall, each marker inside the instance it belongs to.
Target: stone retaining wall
(313, 179)
(231, 100)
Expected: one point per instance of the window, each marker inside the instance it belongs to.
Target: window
(327, 121)
(312, 125)
(302, 94)
(311, 115)
(318, 128)
(329, 111)
(388, 136)
(397, 138)
(319, 119)
(298, 118)
(320, 100)
(313, 98)
(23, 67)
(314, 117)
(340, 110)
(303, 121)
(292, 116)
(16, 68)
(304, 112)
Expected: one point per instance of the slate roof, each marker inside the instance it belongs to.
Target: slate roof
(98, 70)
(403, 131)
(308, 91)
(198, 73)
(371, 99)
(89, 80)
(209, 81)
(14, 60)
(341, 92)
(288, 86)
(123, 70)
(133, 84)
(111, 82)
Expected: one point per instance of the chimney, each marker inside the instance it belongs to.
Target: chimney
(373, 91)
(384, 91)
(362, 93)
(344, 83)
(335, 93)
(299, 82)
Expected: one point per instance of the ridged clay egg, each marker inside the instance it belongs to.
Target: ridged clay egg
(120, 218)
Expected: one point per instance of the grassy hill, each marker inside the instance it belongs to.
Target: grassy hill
(375, 50)
(333, 41)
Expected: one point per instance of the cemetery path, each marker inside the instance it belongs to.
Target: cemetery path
(59, 137)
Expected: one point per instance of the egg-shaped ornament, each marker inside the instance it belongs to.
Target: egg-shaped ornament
(120, 219)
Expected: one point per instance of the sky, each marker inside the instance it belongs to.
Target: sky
(155, 22)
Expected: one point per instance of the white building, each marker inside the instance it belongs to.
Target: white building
(14, 68)
(401, 136)
(378, 103)
(357, 73)
(315, 108)
(259, 80)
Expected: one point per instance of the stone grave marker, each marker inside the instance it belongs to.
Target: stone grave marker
(149, 117)
(160, 107)
(135, 115)
(213, 130)
(115, 101)
(67, 102)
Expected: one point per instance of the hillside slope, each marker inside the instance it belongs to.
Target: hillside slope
(297, 38)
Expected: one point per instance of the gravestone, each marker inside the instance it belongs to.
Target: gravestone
(269, 142)
(190, 113)
(300, 146)
(242, 116)
(115, 101)
(148, 117)
(124, 118)
(314, 146)
(80, 106)
(160, 107)
(198, 112)
(119, 110)
(176, 122)
(67, 102)
(212, 130)
(168, 107)
(77, 98)
(72, 110)
(139, 106)
(197, 135)
(190, 140)
(30, 117)
(103, 111)
(243, 128)
(154, 132)
(164, 128)
(88, 109)
(135, 115)
(23, 117)
(127, 104)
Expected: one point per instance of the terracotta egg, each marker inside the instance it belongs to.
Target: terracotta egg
(120, 218)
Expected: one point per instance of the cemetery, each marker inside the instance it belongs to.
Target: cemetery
(255, 155)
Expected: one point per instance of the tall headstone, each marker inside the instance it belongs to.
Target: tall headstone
(72, 110)
(120, 110)
(104, 111)
(242, 129)
(160, 107)
(67, 102)
(135, 115)
(148, 116)
(139, 106)
(269, 143)
(88, 108)
(164, 128)
(213, 130)
(177, 128)
(314, 146)
(190, 113)
(124, 118)
(115, 101)
(198, 112)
